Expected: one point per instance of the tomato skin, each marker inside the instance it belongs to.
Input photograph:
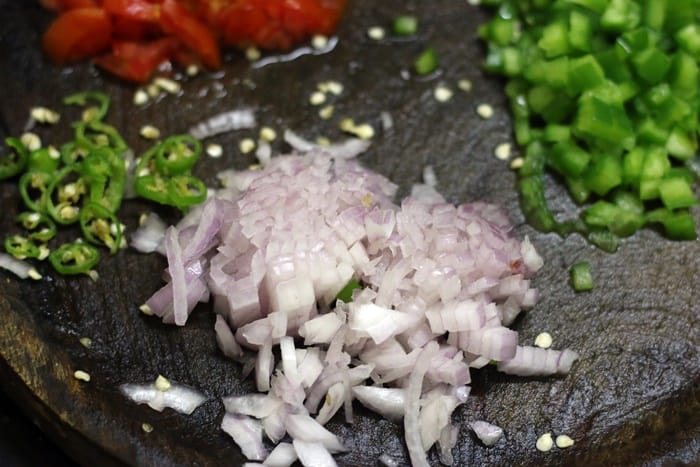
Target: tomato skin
(176, 19)
(77, 34)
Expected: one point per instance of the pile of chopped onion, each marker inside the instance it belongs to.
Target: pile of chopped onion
(439, 285)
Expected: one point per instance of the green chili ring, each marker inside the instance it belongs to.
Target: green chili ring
(177, 155)
(17, 159)
(82, 99)
(185, 191)
(59, 212)
(74, 258)
(108, 232)
(44, 160)
(21, 247)
(152, 187)
(37, 181)
(32, 221)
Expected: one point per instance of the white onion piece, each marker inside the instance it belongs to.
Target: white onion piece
(18, 267)
(304, 428)
(274, 424)
(320, 330)
(225, 339)
(224, 122)
(348, 149)
(283, 455)
(150, 234)
(255, 405)
(435, 416)
(411, 418)
(247, 433)
(488, 433)
(448, 440)
(263, 367)
(313, 454)
(178, 397)
(388, 461)
(335, 398)
(531, 361)
(390, 403)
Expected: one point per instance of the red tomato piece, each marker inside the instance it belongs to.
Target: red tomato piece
(139, 10)
(277, 24)
(136, 61)
(176, 19)
(77, 34)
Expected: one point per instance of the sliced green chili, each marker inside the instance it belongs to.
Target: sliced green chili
(74, 258)
(427, 62)
(35, 183)
(41, 227)
(100, 226)
(177, 155)
(405, 25)
(61, 200)
(15, 161)
(83, 98)
(185, 191)
(21, 247)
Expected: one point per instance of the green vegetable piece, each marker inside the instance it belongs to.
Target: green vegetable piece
(32, 221)
(581, 278)
(555, 40)
(632, 163)
(555, 133)
(177, 155)
(654, 13)
(602, 121)
(21, 247)
(688, 39)
(585, 73)
(427, 62)
(569, 159)
(604, 239)
(534, 204)
(100, 226)
(604, 174)
(680, 226)
(345, 295)
(651, 65)
(683, 75)
(682, 144)
(580, 31)
(597, 6)
(614, 67)
(405, 25)
(37, 183)
(152, 187)
(61, 200)
(82, 99)
(675, 192)
(74, 258)
(44, 160)
(621, 15)
(185, 191)
(15, 162)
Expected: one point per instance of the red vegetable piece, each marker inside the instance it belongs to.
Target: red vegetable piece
(275, 24)
(140, 10)
(177, 20)
(136, 61)
(77, 34)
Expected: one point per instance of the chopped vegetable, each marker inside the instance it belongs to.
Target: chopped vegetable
(85, 183)
(405, 25)
(427, 62)
(605, 95)
(132, 38)
(581, 279)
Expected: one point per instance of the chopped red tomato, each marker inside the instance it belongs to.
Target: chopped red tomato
(77, 34)
(275, 24)
(136, 30)
(136, 61)
(181, 22)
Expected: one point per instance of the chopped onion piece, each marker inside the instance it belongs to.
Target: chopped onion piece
(178, 397)
(231, 120)
(313, 454)
(283, 455)
(488, 433)
(20, 268)
(247, 433)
